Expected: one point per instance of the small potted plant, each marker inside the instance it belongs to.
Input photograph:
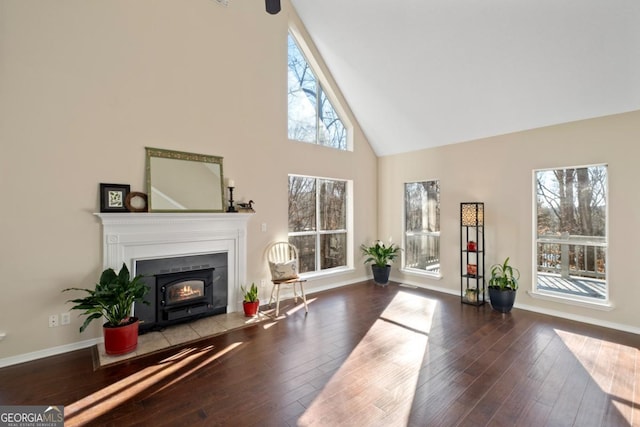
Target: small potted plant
(381, 256)
(503, 285)
(471, 295)
(251, 301)
(113, 299)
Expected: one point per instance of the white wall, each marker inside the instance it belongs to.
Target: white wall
(498, 172)
(86, 85)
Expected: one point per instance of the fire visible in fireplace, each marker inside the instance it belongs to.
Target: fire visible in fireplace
(184, 294)
(185, 291)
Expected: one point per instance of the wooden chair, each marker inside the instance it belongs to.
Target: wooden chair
(284, 266)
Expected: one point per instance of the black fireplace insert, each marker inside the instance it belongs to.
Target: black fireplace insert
(182, 289)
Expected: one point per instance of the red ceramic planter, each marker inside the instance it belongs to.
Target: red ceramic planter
(250, 308)
(121, 339)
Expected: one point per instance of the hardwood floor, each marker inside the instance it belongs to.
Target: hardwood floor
(363, 356)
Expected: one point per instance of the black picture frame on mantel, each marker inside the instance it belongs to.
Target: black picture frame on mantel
(113, 197)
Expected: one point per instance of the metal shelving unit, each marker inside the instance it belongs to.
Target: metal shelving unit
(472, 249)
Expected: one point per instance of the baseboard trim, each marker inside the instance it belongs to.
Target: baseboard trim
(47, 352)
(424, 286)
(578, 318)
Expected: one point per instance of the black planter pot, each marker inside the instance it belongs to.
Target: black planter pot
(502, 300)
(381, 274)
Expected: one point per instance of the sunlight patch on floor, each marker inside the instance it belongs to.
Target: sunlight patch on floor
(182, 333)
(186, 362)
(287, 309)
(300, 306)
(600, 360)
(381, 373)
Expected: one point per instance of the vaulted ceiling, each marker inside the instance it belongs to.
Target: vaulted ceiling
(423, 73)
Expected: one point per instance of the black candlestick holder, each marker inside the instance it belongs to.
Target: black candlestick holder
(231, 208)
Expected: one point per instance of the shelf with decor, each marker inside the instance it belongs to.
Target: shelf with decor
(472, 250)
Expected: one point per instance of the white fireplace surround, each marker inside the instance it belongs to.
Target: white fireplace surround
(129, 237)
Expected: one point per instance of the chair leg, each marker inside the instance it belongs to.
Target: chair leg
(304, 298)
(273, 288)
(278, 301)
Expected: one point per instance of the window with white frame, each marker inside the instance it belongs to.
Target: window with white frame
(312, 117)
(571, 233)
(318, 224)
(422, 226)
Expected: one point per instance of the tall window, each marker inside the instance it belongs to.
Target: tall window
(312, 117)
(318, 222)
(422, 226)
(571, 233)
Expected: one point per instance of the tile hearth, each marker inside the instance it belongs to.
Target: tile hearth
(182, 334)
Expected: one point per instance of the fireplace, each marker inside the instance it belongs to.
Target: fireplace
(135, 237)
(182, 289)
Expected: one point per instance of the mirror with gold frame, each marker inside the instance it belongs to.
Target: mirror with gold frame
(184, 182)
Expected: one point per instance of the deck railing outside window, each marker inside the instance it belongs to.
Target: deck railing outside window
(573, 266)
(423, 251)
(582, 256)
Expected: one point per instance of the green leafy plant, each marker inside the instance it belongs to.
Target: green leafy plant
(471, 294)
(250, 295)
(379, 253)
(504, 276)
(112, 297)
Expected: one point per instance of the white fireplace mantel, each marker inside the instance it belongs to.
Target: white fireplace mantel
(128, 237)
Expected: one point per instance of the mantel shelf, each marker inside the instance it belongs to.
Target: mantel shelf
(177, 217)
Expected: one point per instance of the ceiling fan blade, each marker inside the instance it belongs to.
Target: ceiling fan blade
(273, 6)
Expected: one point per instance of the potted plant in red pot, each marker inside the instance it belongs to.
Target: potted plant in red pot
(251, 302)
(381, 256)
(113, 299)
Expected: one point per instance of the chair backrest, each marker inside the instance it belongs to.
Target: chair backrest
(282, 253)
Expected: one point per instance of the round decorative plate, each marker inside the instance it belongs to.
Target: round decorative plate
(136, 202)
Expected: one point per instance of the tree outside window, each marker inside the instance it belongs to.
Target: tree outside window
(318, 222)
(571, 230)
(311, 115)
(422, 226)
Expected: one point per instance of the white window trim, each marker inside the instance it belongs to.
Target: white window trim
(408, 270)
(593, 303)
(327, 88)
(421, 273)
(577, 301)
(348, 268)
(337, 271)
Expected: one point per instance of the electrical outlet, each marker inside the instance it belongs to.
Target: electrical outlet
(65, 318)
(53, 320)
(263, 283)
